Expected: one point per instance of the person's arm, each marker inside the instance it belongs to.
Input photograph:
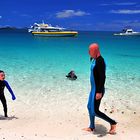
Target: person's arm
(10, 90)
(101, 76)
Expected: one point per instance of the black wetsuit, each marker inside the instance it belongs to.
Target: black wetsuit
(99, 76)
(2, 97)
(71, 75)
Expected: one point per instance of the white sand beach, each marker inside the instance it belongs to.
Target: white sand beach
(63, 118)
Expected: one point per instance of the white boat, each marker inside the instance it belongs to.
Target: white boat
(50, 31)
(126, 32)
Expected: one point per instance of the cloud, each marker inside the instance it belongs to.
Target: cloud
(70, 13)
(119, 4)
(0, 17)
(105, 4)
(126, 3)
(125, 11)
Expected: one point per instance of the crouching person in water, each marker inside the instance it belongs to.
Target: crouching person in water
(4, 83)
(97, 80)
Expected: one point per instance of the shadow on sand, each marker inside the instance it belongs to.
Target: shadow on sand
(7, 118)
(100, 131)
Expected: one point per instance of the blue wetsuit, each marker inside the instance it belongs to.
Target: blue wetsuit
(97, 80)
(2, 97)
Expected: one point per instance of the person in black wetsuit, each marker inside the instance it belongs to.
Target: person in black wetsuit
(97, 79)
(71, 75)
(4, 83)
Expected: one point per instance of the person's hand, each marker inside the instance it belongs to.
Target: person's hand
(13, 97)
(98, 96)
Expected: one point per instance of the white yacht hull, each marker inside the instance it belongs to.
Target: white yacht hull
(134, 34)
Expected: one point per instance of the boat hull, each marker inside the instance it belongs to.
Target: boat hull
(123, 34)
(55, 34)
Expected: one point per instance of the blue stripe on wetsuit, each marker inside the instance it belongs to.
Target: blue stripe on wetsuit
(93, 88)
(92, 96)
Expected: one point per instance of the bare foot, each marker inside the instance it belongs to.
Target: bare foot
(112, 129)
(88, 129)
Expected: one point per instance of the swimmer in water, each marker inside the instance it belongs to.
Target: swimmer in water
(3, 84)
(71, 75)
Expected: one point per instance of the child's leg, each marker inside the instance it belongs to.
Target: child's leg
(3, 100)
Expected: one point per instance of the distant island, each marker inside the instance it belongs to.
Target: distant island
(9, 29)
(12, 28)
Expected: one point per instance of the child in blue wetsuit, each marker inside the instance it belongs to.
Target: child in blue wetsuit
(4, 83)
(97, 80)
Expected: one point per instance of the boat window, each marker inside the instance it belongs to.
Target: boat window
(53, 30)
(124, 30)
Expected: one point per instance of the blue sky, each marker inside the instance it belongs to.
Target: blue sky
(72, 14)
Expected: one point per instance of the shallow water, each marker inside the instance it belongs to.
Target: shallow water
(36, 67)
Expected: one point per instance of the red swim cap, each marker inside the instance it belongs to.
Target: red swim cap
(94, 51)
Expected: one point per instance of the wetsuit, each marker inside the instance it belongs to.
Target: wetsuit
(71, 75)
(97, 79)
(2, 97)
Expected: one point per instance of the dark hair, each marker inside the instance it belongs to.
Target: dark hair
(1, 71)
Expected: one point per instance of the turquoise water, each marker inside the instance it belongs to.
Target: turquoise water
(38, 65)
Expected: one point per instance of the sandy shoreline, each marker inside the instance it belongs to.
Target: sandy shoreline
(30, 122)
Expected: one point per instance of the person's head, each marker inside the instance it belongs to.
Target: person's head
(94, 51)
(2, 75)
(72, 72)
